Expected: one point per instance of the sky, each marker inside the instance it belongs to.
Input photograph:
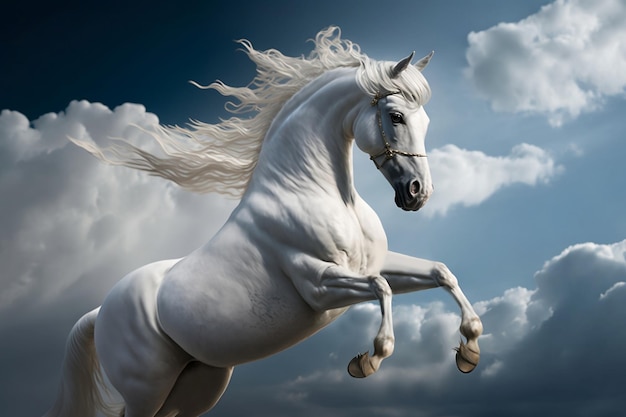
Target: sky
(526, 146)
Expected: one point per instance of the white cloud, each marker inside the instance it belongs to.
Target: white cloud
(70, 219)
(509, 318)
(617, 286)
(561, 61)
(468, 178)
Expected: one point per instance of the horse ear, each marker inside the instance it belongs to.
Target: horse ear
(402, 65)
(421, 64)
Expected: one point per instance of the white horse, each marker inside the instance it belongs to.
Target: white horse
(299, 249)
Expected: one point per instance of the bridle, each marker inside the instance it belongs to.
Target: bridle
(388, 152)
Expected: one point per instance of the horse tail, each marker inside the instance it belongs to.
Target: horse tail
(79, 392)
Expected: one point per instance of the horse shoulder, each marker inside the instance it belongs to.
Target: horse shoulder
(309, 234)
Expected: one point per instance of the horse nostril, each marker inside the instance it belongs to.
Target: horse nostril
(414, 188)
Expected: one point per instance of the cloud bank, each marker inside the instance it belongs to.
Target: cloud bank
(69, 216)
(562, 61)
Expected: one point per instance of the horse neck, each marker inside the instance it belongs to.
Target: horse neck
(309, 147)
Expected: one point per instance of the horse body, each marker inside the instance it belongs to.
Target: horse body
(299, 249)
(244, 277)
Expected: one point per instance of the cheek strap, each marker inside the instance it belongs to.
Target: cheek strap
(388, 152)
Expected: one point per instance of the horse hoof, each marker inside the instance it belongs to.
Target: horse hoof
(360, 366)
(466, 358)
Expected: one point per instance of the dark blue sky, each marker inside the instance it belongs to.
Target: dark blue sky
(145, 52)
(105, 52)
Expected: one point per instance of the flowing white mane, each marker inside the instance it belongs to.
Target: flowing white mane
(221, 157)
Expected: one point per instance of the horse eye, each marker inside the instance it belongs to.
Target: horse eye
(396, 118)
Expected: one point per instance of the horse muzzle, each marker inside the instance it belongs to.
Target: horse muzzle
(410, 195)
(410, 179)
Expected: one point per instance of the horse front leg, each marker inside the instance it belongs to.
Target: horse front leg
(407, 274)
(337, 287)
(364, 365)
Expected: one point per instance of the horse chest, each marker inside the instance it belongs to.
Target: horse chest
(359, 240)
(350, 235)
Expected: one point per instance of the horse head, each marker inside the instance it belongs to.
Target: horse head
(392, 127)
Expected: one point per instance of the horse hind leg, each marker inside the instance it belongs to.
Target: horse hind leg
(144, 394)
(197, 389)
(141, 362)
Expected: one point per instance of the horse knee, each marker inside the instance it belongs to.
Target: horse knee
(443, 276)
(380, 287)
